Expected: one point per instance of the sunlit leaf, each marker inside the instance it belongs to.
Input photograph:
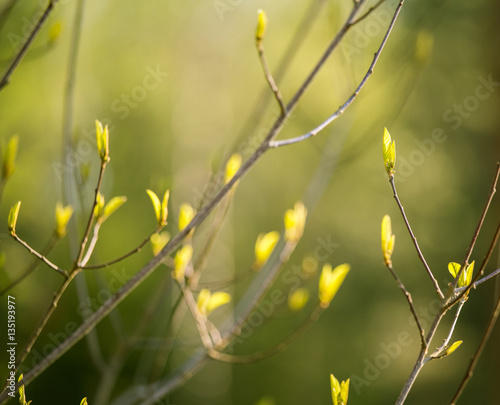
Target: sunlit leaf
(63, 215)
(111, 207)
(156, 205)
(297, 299)
(12, 219)
(9, 157)
(261, 25)
(389, 152)
(330, 282)
(264, 246)
(295, 221)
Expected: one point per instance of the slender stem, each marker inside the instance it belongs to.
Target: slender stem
(343, 107)
(421, 360)
(40, 256)
(201, 322)
(478, 229)
(477, 354)
(53, 305)
(368, 12)
(452, 329)
(20, 54)
(414, 239)
(83, 244)
(410, 303)
(48, 248)
(126, 255)
(269, 77)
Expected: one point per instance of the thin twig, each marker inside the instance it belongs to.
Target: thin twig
(468, 253)
(269, 77)
(40, 256)
(439, 351)
(126, 255)
(414, 239)
(53, 305)
(48, 248)
(421, 360)
(477, 354)
(343, 107)
(368, 12)
(198, 317)
(83, 244)
(410, 303)
(20, 54)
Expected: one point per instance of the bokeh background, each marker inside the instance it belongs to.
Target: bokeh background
(180, 85)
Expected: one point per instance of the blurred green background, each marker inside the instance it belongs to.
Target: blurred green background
(181, 87)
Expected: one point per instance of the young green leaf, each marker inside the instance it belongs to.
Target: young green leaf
(295, 222)
(164, 208)
(111, 207)
(330, 282)
(22, 393)
(340, 391)
(232, 166)
(84, 401)
(158, 241)
(102, 137)
(466, 276)
(181, 262)
(99, 206)
(388, 240)
(186, 214)
(452, 348)
(9, 157)
(264, 246)
(156, 205)
(216, 300)
(297, 299)
(12, 219)
(389, 153)
(63, 215)
(261, 25)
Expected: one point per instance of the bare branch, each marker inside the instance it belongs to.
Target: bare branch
(414, 239)
(20, 54)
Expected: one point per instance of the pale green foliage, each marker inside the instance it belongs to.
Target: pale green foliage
(340, 391)
(63, 215)
(207, 302)
(102, 137)
(330, 282)
(297, 299)
(466, 276)
(389, 153)
(264, 246)
(186, 214)
(388, 240)
(295, 222)
(160, 208)
(261, 25)
(181, 261)
(9, 157)
(12, 220)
